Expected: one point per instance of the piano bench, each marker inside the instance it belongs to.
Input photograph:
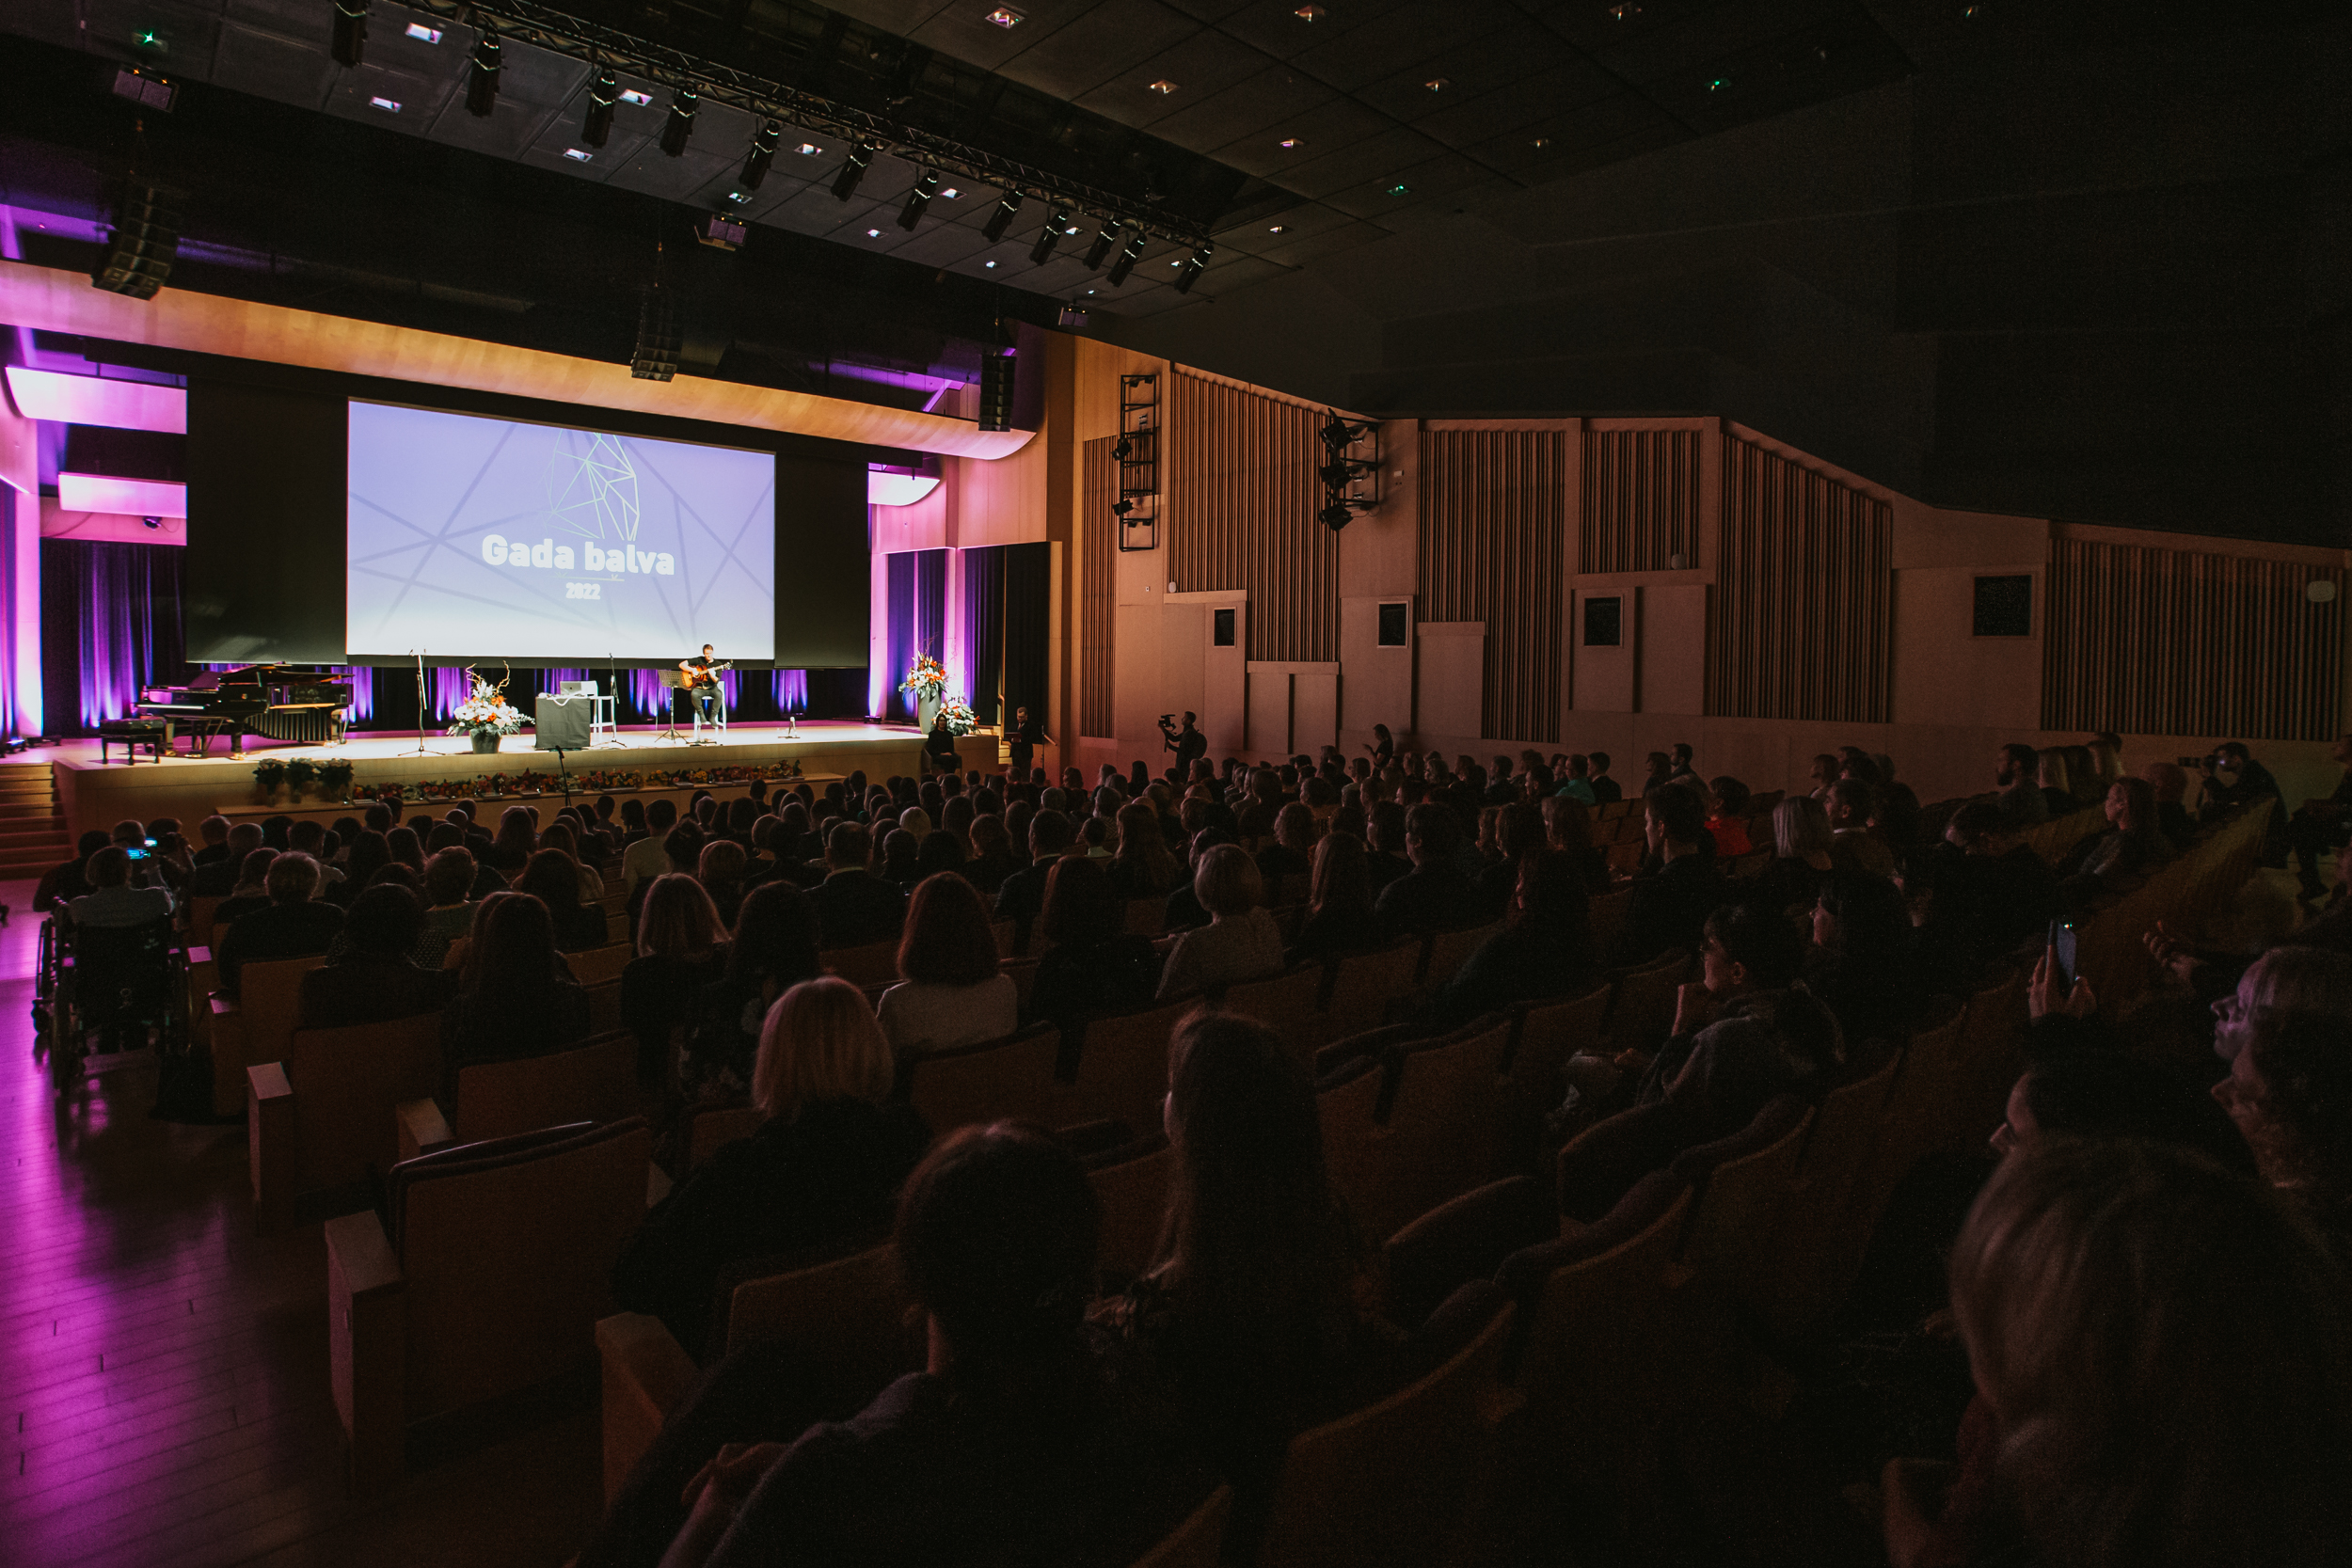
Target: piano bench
(132, 734)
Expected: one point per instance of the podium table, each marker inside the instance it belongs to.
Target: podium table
(563, 723)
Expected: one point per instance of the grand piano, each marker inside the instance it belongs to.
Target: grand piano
(282, 701)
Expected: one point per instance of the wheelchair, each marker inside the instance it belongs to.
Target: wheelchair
(116, 983)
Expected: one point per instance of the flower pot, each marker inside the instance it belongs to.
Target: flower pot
(486, 740)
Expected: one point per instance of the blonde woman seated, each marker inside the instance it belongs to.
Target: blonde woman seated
(952, 991)
(822, 1174)
(1241, 942)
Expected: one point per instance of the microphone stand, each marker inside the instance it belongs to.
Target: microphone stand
(420, 657)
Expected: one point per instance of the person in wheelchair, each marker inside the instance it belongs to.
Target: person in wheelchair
(112, 901)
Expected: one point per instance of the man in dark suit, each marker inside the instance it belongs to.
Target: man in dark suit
(218, 879)
(1023, 893)
(375, 981)
(2020, 799)
(1605, 789)
(293, 926)
(1025, 735)
(1435, 896)
(853, 905)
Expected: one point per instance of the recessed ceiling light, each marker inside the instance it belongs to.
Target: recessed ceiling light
(1277, 229)
(951, 193)
(1090, 290)
(1308, 14)
(1176, 263)
(578, 155)
(1541, 141)
(1291, 141)
(631, 95)
(1163, 86)
(423, 34)
(1400, 189)
(1439, 83)
(1072, 229)
(1625, 12)
(808, 149)
(1005, 16)
(988, 263)
(873, 233)
(390, 106)
(738, 197)
(1718, 84)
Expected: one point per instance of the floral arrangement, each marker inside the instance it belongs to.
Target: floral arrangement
(926, 680)
(270, 773)
(958, 716)
(485, 711)
(335, 774)
(300, 772)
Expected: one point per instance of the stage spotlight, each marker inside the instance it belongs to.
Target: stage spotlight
(481, 77)
(1195, 265)
(1056, 219)
(602, 94)
(1334, 517)
(1099, 251)
(680, 124)
(350, 40)
(918, 199)
(1127, 258)
(763, 153)
(853, 170)
(1001, 219)
(142, 245)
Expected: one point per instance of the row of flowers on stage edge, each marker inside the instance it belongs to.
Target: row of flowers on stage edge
(335, 777)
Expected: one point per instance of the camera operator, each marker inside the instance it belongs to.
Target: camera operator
(1189, 743)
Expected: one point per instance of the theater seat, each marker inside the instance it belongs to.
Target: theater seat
(322, 1119)
(486, 1276)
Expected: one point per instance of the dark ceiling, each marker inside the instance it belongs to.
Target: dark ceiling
(2071, 257)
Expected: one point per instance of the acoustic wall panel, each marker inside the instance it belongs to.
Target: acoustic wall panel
(1493, 509)
(1097, 591)
(1241, 514)
(1641, 501)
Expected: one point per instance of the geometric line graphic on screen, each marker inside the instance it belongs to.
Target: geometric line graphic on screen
(594, 492)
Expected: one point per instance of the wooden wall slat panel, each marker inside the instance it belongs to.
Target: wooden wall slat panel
(1800, 618)
(2152, 640)
(1241, 513)
(1493, 528)
(1098, 545)
(1641, 496)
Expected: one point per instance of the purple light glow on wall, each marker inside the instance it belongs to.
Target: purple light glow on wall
(362, 680)
(792, 690)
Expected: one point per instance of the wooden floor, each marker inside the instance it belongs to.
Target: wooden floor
(163, 1371)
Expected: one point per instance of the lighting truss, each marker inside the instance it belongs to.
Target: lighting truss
(560, 32)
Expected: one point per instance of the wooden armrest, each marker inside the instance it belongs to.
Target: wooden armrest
(367, 1347)
(646, 1375)
(422, 1128)
(199, 954)
(224, 1005)
(271, 1145)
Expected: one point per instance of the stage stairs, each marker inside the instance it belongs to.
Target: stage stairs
(33, 834)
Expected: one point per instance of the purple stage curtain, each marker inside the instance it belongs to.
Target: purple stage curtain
(917, 622)
(110, 624)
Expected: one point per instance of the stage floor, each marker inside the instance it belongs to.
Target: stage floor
(96, 794)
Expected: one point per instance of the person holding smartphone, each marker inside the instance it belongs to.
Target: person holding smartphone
(112, 901)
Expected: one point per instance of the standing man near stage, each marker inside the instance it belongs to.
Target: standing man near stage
(1025, 735)
(704, 685)
(1189, 743)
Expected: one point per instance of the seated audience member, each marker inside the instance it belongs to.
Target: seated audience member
(990, 861)
(1801, 858)
(1250, 1318)
(2017, 770)
(562, 835)
(1143, 868)
(2008, 893)
(553, 877)
(2287, 1035)
(774, 948)
(375, 977)
(449, 910)
(251, 891)
(680, 945)
(514, 995)
(942, 854)
(952, 990)
(1673, 895)
(820, 1175)
(292, 926)
(1096, 967)
(2169, 781)
(644, 857)
(1014, 1446)
(1435, 896)
(1340, 918)
(112, 901)
(1853, 848)
(1606, 790)
(1519, 832)
(517, 839)
(2159, 1352)
(721, 871)
(214, 831)
(312, 839)
(1241, 941)
(1860, 962)
(1660, 774)
(1182, 910)
(1822, 774)
(854, 907)
(1023, 893)
(1384, 827)
(406, 849)
(1576, 785)
(2056, 777)
(1568, 828)
(1292, 853)
(2132, 846)
(1544, 949)
(1726, 818)
(217, 877)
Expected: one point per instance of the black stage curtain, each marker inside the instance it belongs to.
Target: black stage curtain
(1027, 626)
(984, 623)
